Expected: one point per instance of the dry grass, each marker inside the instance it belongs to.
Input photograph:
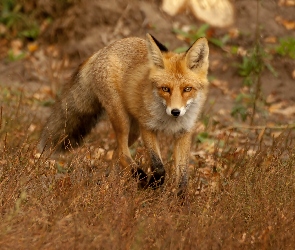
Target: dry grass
(241, 195)
(72, 205)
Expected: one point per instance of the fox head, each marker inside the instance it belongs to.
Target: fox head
(178, 79)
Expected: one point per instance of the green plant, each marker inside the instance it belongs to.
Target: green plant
(253, 65)
(195, 33)
(286, 47)
(17, 22)
(249, 101)
(240, 109)
(12, 57)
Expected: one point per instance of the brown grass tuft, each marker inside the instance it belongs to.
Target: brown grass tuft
(69, 203)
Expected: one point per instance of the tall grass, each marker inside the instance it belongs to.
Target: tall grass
(71, 204)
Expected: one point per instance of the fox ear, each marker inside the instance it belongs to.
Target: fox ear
(197, 55)
(155, 49)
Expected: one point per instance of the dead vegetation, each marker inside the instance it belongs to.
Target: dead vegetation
(241, 199)
(242, 178)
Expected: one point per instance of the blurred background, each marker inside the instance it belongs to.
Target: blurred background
(252, 45)
(241, 188)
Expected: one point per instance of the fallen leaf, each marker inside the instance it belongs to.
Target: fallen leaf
(242, 51)
(243, 238)
(233, 33)
(98, 153)
(289, 25)
(222, 85)
(251, 152)
(37, 155)
(289, 111)
(261, 134)
(276, 134)
(272, 98)
(16, 46)
(271, 39)
(172, 7)
(222, 112)
(32, 47)
(214, 64)
(32, 127)
(3, 29)
(219, 13)
(215, 183)
(3, 162)
(109, 155)
(286, 2)
(205, 172)
(276, 106)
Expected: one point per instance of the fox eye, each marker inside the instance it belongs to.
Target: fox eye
(187, 89)
(165, 89)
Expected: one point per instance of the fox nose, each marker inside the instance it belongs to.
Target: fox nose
(175, 112)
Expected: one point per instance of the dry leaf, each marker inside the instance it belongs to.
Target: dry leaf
(242, 240)
(222, 112)
(16, 46)
(98, 153)
(271, 98)
(37, 155)
(261, 134)
(172, 7)
(276, 106)
(241, 51)
(215, 183)
(205, 172)
(289, 25)
(219, 13)
(251, 152)
(276, 134)
(3, 29)
(233, 33)
(293, 74)
(286, 2)
(109, 155)
(289, 111)
(271, 39)
(32, 127)
(32, 47)
(222, 85)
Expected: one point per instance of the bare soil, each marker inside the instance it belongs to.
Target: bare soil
(242, 175)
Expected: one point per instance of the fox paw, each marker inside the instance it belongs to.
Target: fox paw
(141, 176)
(157, 179)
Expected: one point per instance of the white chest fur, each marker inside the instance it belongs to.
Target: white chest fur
(160, 121)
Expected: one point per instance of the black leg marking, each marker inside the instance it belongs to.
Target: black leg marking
(158, 172)
(157, 177)
(141, 176)
(182, 186)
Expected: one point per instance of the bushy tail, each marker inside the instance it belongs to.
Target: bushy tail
(72, 118)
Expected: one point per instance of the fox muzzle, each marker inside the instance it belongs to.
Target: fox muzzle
(175, 112)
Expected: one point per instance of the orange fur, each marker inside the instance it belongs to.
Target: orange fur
(144, 88)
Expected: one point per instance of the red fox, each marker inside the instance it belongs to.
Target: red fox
(144, 89)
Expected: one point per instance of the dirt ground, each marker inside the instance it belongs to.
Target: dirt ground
(28, 88)
(88, 26)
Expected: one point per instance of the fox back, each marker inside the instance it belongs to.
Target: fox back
(157, 89)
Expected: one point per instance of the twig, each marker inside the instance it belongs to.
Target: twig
(119, 23)
(1, 117)
(259, 58)
(289, 126)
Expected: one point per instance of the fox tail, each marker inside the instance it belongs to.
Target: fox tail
(72, 118)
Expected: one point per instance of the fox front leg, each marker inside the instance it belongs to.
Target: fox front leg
(157, 167)
(181, 160)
